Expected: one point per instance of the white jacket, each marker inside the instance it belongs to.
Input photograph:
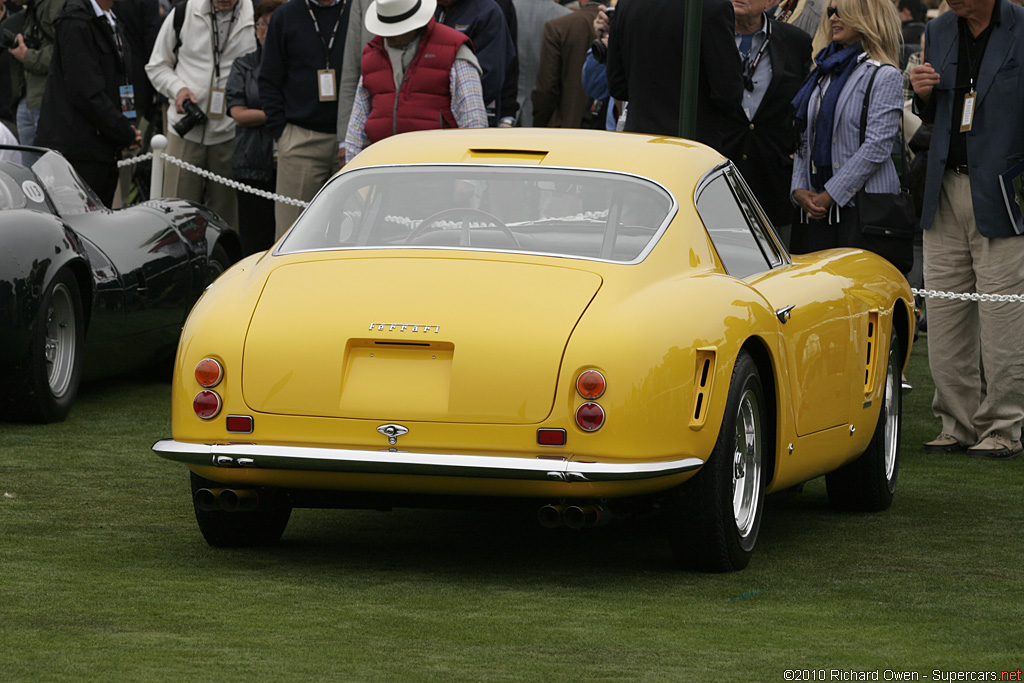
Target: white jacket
(195, 64)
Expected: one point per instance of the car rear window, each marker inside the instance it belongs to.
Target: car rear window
(562, 212)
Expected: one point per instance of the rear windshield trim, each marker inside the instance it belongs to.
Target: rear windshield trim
(669, 216)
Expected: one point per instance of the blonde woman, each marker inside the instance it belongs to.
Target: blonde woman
(856, 39)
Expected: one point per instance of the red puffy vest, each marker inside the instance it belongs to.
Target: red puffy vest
(424, 101)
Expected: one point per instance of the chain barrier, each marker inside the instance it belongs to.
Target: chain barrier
(135, 160)
(234, 184)
(926, 293)
(965, 296)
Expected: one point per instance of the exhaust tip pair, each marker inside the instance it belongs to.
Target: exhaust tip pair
(229, 500)
(572, 516)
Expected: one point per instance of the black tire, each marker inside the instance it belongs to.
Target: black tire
(868, 483)
(223, 529)
(53, 370)
(218, 263)
(716, 515)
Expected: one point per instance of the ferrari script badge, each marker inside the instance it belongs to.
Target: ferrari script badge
(403, 327)
(392, 432)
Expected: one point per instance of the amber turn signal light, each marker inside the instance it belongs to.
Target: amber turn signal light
(590, 384)
(209, 373)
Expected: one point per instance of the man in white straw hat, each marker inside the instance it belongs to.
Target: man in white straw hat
(417, 74)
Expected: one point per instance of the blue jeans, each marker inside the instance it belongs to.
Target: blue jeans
(28, 121)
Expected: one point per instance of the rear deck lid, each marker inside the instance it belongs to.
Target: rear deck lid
(429, 339)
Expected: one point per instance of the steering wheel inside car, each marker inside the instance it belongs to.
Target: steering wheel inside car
(462, 215)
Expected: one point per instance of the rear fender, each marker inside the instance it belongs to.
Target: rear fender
(36, 247)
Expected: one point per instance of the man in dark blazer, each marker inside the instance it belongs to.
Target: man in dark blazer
(558, 97)
(645, 64)
(533, 14)
(83, 114)
(762, 137)
(970, 87)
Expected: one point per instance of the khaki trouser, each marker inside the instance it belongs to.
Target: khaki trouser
(305, 161)
(974, 348)
(187, 185)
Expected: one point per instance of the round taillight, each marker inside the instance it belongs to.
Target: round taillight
(590, 384)
(206, 404)
(209, 373)
(590, 417)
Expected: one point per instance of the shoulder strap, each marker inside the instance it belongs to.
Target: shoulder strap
(179, 21)
(37, 22)
(864, 107)
(864, 122)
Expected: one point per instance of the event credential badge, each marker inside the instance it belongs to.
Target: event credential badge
(217, 104)
(126, 93)
(967, 119)
(325, 82)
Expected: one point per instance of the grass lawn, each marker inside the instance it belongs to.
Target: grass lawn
(104, 575)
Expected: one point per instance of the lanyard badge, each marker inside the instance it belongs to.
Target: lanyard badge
(127, 96)
(967, 118)
(326, 79)
(325, 85)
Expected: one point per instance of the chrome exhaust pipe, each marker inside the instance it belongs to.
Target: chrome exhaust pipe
(238, 500)
(583, 516)
(208, 500)
(550, 516)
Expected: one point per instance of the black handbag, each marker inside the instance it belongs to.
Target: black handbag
(887, 222)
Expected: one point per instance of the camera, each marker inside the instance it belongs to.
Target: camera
(192, 118)
(9, 40)
(598, 46)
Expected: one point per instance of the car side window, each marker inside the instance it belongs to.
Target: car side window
(760, 226)
(730, 230)
(11, 196)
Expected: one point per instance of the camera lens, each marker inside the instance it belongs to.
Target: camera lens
(7, 39)
(193, 117)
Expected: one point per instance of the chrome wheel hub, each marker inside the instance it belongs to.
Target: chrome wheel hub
(59, 341)
(746, 478)
(893, 384)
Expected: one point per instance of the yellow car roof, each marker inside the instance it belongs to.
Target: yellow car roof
(678, 164)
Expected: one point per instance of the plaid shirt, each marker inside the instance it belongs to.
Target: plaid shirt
(467, 106)
(908, 90)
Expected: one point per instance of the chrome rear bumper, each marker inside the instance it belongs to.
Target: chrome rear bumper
(417, 464)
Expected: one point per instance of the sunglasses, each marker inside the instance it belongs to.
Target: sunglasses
(833, 12)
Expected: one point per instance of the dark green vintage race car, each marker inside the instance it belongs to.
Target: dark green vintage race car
(85, 291)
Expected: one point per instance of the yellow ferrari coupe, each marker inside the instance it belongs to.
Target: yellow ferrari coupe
(591, 324)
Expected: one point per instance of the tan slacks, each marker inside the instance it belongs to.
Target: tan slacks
(187, 185)
(975, 349)
(305, 161)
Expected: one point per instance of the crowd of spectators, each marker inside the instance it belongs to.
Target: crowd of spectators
(281, 93)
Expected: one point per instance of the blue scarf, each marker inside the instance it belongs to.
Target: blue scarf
(838, 62)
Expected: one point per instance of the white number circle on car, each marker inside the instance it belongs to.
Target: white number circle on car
(33, 191)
